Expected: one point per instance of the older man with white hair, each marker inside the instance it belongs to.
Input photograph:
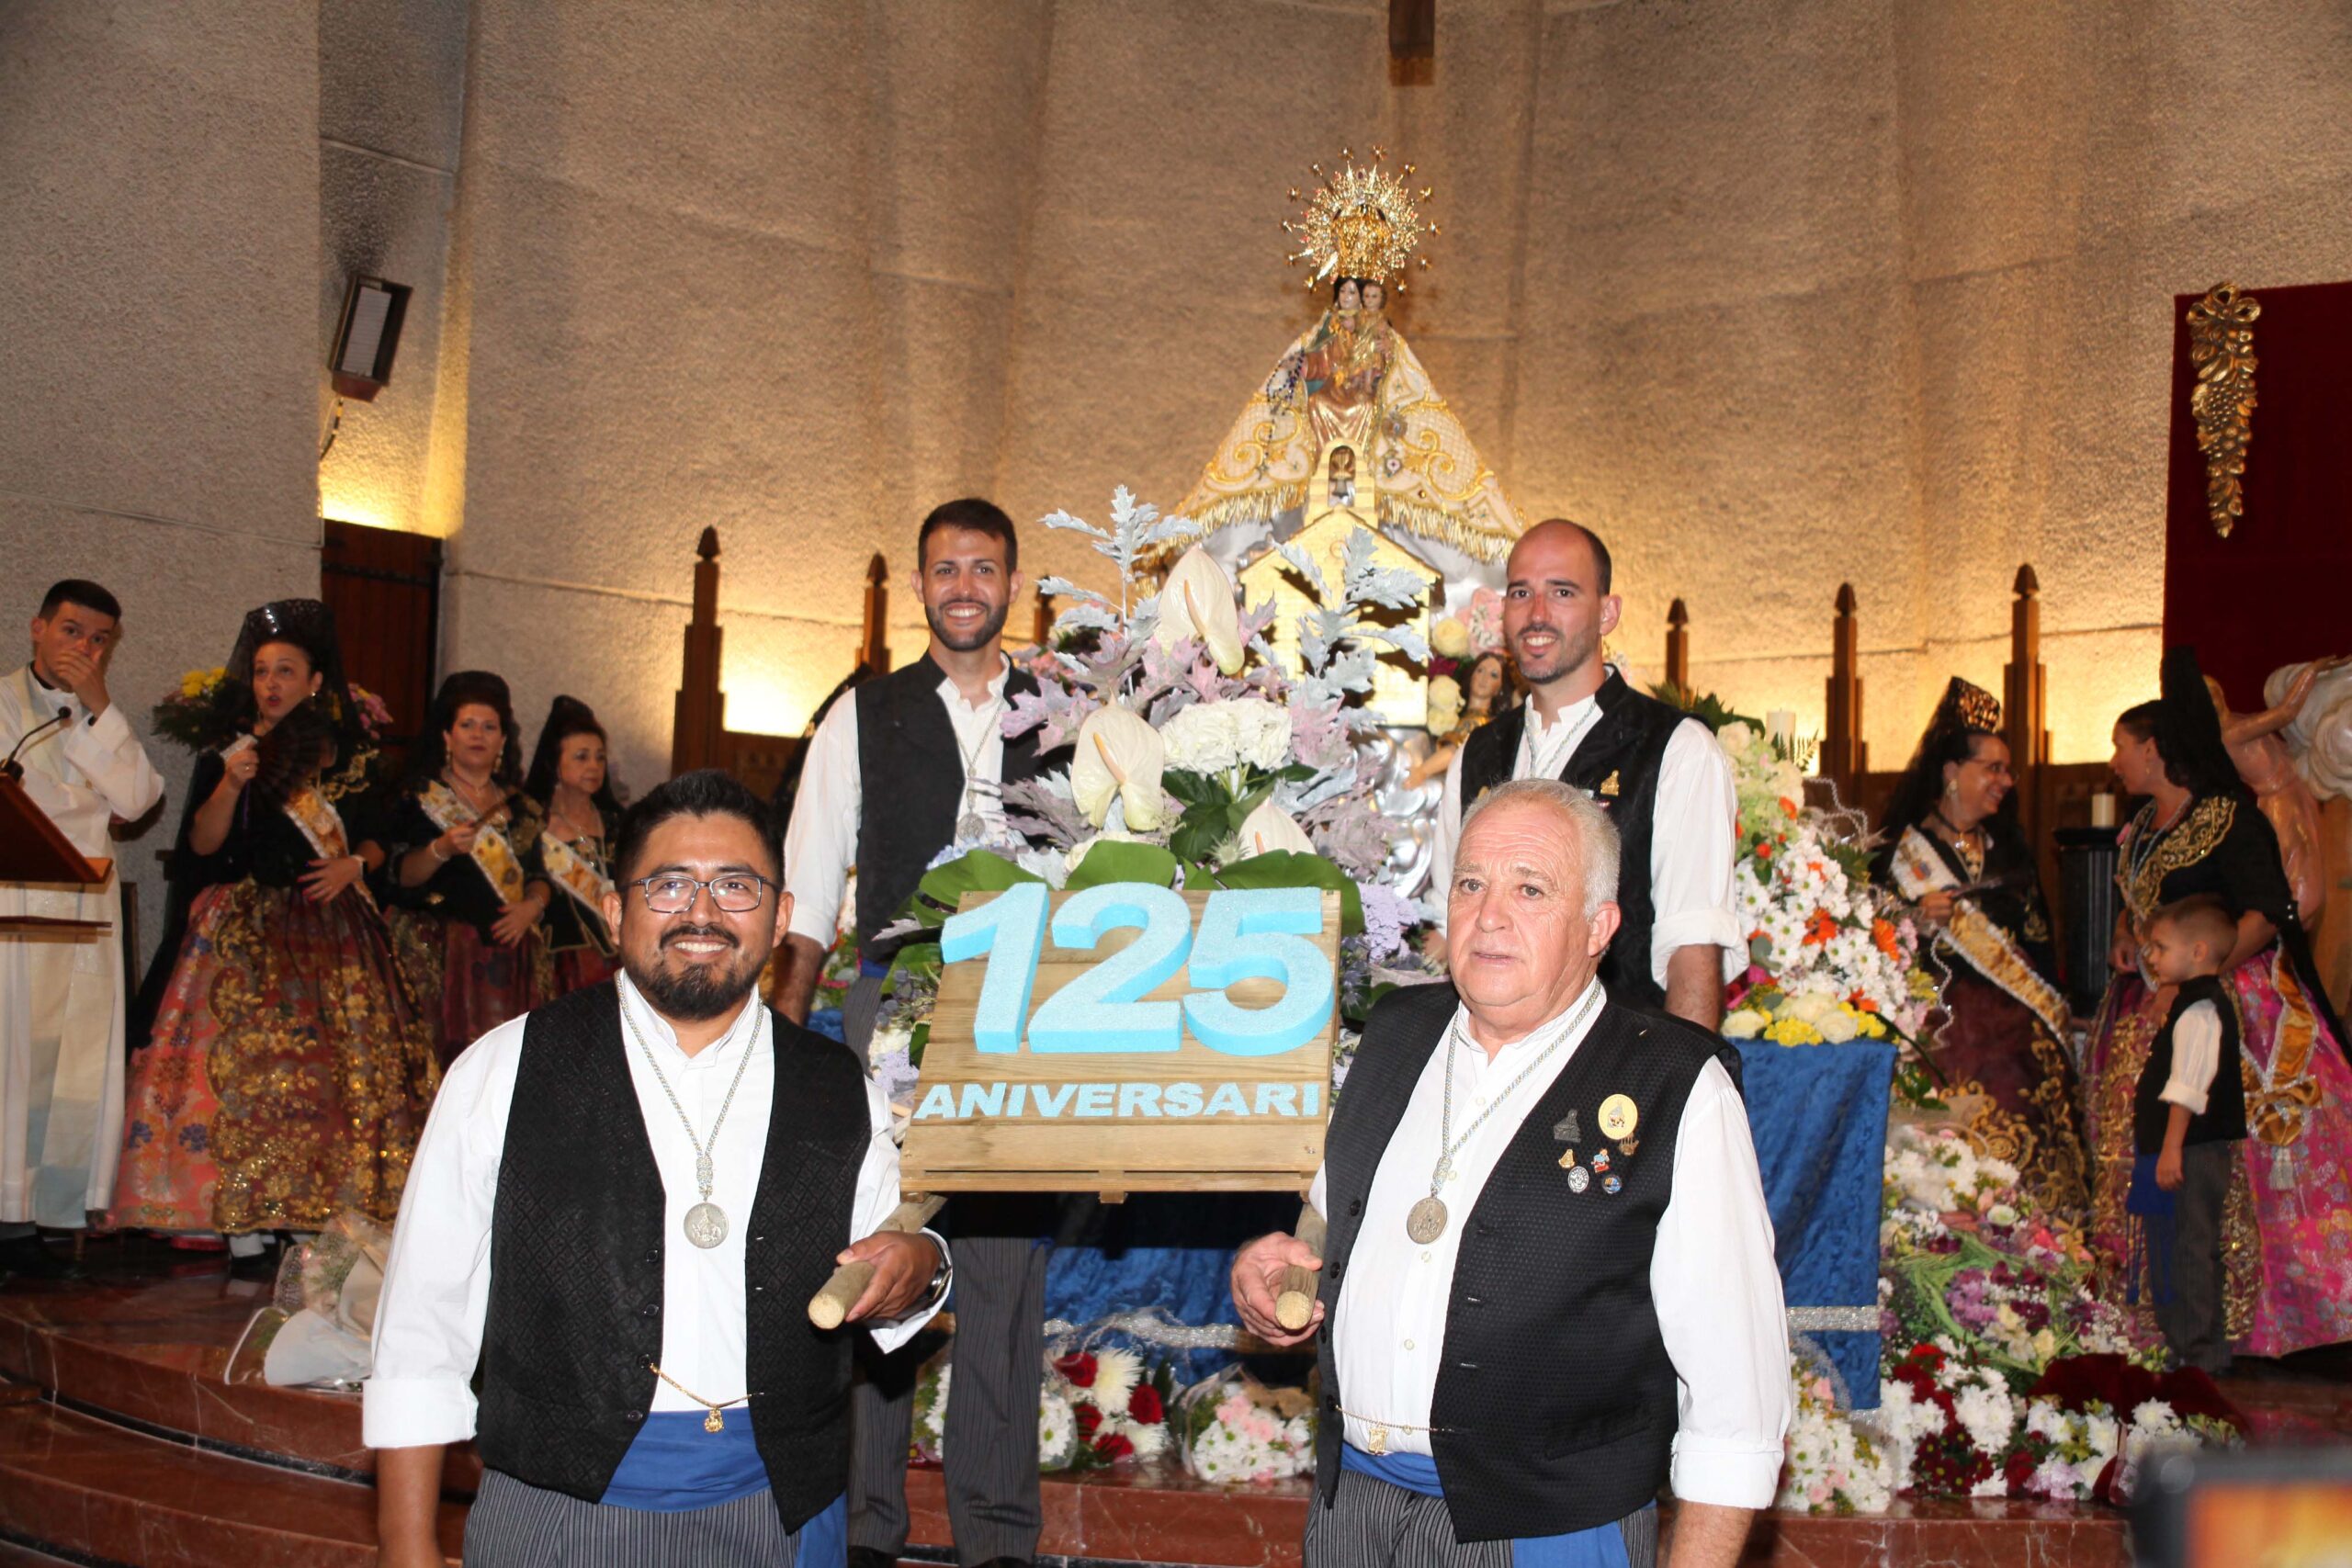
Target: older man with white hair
(1548, 1285)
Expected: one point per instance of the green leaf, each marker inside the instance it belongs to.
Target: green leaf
(1193, 789)
(978, 872)
(1287, 868)
(1199, 831)
(919, 1037)
(1111, 861)
(920, 959)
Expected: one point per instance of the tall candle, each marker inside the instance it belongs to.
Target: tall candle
(1780, 724)
(2102, 810)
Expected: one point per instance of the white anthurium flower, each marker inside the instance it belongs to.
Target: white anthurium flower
(1120, 756)
(1269, 829)
(1198, 599)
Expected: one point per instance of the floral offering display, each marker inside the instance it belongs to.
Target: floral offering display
(200, 712)
(1095, 1409)
(1197, 758)
(2004, 1376)
(1831, 958)
(1236, 1432)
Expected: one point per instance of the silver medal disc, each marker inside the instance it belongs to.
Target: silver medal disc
(706, 1225)
(1578, 1179)
(971, 825)
(1426, 1222)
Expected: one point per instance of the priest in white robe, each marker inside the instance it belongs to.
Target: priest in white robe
(61, 1002)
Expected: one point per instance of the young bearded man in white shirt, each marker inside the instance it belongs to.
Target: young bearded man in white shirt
(1655, 769)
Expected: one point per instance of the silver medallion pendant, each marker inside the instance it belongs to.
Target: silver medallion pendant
(971, 825)
(1426, 1222)
(706, 1225)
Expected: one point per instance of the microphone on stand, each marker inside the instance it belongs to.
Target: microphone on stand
(16, 770)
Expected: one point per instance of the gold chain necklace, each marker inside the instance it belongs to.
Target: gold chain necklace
(713, 1422)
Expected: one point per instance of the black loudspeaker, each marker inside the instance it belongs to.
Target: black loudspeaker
(2088, 894)
(364, 339)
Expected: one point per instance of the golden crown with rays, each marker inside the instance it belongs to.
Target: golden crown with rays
(1361, 222)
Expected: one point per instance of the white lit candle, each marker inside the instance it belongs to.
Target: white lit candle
(2102, 810)
(1781, 725)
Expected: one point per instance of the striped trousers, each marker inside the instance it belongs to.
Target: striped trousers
(517, 1524)
(1372, 1524)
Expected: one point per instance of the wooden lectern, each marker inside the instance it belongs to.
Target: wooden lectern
(33, 849)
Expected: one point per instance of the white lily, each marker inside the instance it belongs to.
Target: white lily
(1119, 756)
(1198, 599)
(1269, 829)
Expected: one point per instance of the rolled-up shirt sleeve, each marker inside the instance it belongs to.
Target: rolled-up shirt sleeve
(820, 844)
(2196, 1057)
(436, 1281)
(1693, 831)
(877, 1195)
(1717, 1291)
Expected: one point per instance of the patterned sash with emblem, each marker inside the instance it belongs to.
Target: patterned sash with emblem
(1975, 935)
(492, 854)
(322, 827)
(587, 886)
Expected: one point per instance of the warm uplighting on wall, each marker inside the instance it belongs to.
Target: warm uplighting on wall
(774, 701)
(347, 507)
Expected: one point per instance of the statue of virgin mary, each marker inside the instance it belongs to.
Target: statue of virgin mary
(1348, 430)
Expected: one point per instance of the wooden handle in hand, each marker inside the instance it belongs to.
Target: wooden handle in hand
(1294, 1302)
(828, 1308)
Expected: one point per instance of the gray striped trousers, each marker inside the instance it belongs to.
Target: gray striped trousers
(517, 1524)
(1374, 1525)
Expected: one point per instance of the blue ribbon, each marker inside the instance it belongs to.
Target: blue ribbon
(1602, 1546)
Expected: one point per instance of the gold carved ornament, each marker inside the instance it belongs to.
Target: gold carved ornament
(1361, 222)
(2220, 347)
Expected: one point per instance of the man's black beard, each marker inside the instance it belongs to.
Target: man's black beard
(699, 992)
(988, 631)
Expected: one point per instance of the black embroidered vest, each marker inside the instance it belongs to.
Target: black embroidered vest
(2223, 1118)
(1555, 1407)
(577, 1235)
(1616, 764)
(911, 772)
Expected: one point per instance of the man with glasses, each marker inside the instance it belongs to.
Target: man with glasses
(905, 765)
(618, 1212)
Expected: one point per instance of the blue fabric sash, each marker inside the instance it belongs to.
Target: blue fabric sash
(1602, 1546)
(674, 1465)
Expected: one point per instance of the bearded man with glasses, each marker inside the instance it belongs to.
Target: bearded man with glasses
(617, 1213)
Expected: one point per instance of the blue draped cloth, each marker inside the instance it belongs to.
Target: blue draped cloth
(1818, 1116)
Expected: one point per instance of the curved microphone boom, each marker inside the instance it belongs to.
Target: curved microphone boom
(15, 769)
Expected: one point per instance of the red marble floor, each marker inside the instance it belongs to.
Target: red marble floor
(121, 1442)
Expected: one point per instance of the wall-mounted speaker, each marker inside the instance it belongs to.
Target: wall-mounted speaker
(361, 364)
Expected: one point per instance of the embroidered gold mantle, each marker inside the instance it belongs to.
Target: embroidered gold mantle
(491, 854)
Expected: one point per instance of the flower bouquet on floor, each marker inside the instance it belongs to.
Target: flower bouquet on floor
(1096, 1408)
(1234, 1430)
(1197, 758)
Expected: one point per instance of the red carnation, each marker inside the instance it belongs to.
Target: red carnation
(1078, 1367)
(1144, 1405)
(2019, 1471)
(1114, 1447)
(1089, 1419)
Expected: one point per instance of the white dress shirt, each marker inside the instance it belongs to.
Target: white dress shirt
(436, 1285)
(1693, 823)
(821, 845)
(1712, 1278)
(2196, 1057)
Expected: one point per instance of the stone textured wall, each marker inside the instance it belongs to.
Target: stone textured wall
(1776, 293)
(159, 261)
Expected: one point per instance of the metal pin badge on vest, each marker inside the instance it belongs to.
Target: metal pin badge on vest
(1567, 1130)
(1578, 1179)
(1608, 785)
(1568, 1159)
(1618, 1117)
(1601, 1159)
(1611, 1186)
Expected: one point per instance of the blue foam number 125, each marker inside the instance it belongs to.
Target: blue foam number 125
(1010, 931)
(1260, 933)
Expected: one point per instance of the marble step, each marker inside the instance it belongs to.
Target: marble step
(91, 1491)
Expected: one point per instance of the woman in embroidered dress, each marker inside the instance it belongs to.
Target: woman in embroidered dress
(2287, 1235)
(1958, 857)
(290, 1071)
(569, 779)
(464, 883)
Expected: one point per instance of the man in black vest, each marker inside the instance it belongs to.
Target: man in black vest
(903, 766)
(617, 1213)
(1653, 768)
(1548, 1284)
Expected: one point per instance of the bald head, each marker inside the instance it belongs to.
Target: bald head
(1557, 608)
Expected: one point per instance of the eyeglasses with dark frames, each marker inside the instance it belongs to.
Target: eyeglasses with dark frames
(672, 893)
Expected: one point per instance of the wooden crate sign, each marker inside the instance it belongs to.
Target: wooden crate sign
(1129, 1039)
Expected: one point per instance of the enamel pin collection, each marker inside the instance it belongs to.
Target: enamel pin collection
(1618, 1119)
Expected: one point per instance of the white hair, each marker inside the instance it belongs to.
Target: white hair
(1589, 826)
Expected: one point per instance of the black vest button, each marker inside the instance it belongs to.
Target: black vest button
(652, 1309)
(653, 1260)
(634, 1416)
(1355, 1207)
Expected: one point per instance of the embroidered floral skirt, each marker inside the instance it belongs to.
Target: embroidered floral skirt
(577, 968)
(2287, 1232)
(288, 1075)
(468, 985)
(1990, 1042)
